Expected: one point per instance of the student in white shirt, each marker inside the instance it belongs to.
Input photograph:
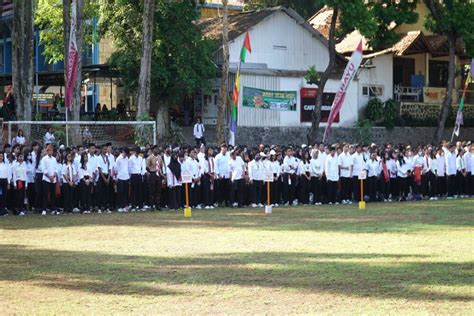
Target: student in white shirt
(19, 138)
(135, 163)
(345, 172)
(49, 137)
(30, 178)
(173, 176)
(275, 191)
(123, 179)
(451, 171)
(236, 169)
(193, 168)
(223, 185)
(48, 167)
(373, 172)
(332, 175)
(460, 173)
(316, 173)
(69, 175)
(440, 173)
(208, 178)
(5, 176)
(472, 171)
(290, 166)
(304, 177)
(429, 174)
(358, 165)
(20, 184)
(103, 183)
(85, 175)
(256, 174)
(198, 132)
(403, 173)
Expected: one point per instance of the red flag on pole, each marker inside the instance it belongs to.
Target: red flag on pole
(73, 59)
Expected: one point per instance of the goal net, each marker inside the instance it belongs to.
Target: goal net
(73, 133)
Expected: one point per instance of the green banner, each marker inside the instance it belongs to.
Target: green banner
(269, 100)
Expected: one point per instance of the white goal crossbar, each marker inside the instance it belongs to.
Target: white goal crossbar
(67, 124)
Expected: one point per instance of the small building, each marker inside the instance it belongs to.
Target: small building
(284, 47)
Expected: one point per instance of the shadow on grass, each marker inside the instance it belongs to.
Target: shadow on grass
(370, 275)
(379, 217)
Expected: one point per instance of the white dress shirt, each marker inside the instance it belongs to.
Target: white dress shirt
(403, 169)
(332, 168)
(135, 163)
(49, 138)
(358, 164)
(70, 171)
(315, 167)
(290, 165)
(451, 164)
(222, 165)
(255, 171)
(236, 168)
(19, 172)
(199, 130)
(440, 166)
(121, 168)
(49, 168)
(373, 168)
(5, 171)
(345, 161)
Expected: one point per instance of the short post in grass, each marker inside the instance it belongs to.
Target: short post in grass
(362, 177)
(268, 179)
(186, 179)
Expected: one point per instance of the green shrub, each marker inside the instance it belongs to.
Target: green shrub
(374, 110)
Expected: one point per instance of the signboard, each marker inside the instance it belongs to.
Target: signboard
(434, 95)
(308, 102)
(44, 99)
(268, 177)
(269, 100)
(363, 175)
(186, 178)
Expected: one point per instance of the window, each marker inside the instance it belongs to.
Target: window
(372, 91)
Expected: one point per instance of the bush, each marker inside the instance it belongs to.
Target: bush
(390, 113)
(363, 128)
(374, 110)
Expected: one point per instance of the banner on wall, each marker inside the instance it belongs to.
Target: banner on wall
(269, 100)
(434, 95)
(308, 103)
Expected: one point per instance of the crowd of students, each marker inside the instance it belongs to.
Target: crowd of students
(104, 179)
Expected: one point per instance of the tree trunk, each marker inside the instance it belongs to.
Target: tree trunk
(162, 122)
(443, 115)
(22, 60)
(316, 115)
(225, 75)
(144, 81)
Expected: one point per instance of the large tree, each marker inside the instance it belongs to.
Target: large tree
(22, 58)
(181, 58)
(455, 20)
(372, 20)
(144, 80)
(305, 8)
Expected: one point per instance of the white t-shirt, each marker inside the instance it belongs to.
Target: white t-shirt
(345, 161)
(332, 168)
(236, 168)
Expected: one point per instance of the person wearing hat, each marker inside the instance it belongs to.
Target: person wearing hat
(332, 175)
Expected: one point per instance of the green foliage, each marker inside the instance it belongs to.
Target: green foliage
(374, 110)
(305, 8)
(181, 59)
(454, 17)
(363, 129)
(390, 113)
(49, 19)
(143, 133)
(312, 76)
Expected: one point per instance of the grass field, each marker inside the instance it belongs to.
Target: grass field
(399, 258)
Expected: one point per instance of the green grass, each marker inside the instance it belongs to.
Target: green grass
(400, 258)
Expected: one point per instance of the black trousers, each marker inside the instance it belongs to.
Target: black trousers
(237, 192)
(68, 194)
(356, 188)
(372, 181)
(223, 187)
(20, 197)
(3, 194)
(460, 183)
(403, 187)
(346, 188)
(30, 194)
(86, 195)
(136, 190)
(207, 189)
(471, 182)
(316, 189)
(38, 203)
(304, 190)
(441, 186)
(256, 191)
(103, 192)
(289, 187)
(174, 197)
(332, 191)
(48, 191)
(154, 189)
(275, 191)
(429, 184)
(385, 187)
(451, 185)
(122, 193)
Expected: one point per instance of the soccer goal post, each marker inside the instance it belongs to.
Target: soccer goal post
(73, 133)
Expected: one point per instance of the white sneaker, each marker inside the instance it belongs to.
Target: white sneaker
(99, 211)
(253, 205)
(207, 207)
(337, 203)
(21, 214)
(235, 204)
(75, 210)
(198, 207)
(211, 207)
(260, 205)
(330, 203)
(295, 202)
(43, 213)
(276, 204)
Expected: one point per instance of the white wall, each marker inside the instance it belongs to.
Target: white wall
(261, 117)
(381, 74)
(302, 49)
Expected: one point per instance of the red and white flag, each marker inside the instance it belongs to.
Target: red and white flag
(73, 59)
(349, 74)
